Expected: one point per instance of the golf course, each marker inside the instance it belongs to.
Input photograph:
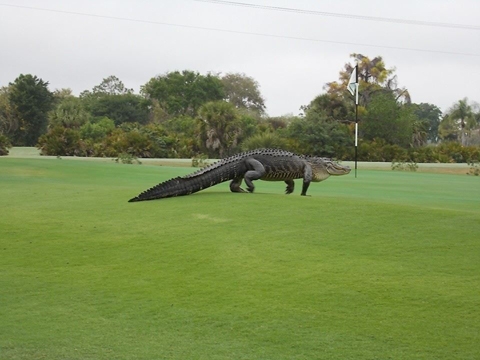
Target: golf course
(382, 266)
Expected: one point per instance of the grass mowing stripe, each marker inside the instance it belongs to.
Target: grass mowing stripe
(382, 266)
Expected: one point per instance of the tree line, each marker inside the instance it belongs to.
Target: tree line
(187, 114)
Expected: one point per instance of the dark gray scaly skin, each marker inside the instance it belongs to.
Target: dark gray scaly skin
(263, 164)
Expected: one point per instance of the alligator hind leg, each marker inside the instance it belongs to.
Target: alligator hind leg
(255, 171)
(290, 186)
(235, 185)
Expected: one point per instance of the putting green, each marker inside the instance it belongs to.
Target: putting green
(383, 266)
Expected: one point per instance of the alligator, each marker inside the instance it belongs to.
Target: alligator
(263, 164)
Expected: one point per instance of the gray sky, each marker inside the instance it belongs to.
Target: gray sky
(292, 66)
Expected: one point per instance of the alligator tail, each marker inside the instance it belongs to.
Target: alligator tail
(189, 184)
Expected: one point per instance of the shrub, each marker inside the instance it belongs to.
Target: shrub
(379, 150)
(139, 141)
(98, 130)
(125, 158)
(62, 141)
(265, 140)
(404, 165)
(474, 168)
(425, 154)
(200, 161)
(102, 139)
(4, 145)
(447, 152)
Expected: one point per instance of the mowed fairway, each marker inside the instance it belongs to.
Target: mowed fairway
(385, 266)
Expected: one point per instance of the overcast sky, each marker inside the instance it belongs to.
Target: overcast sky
(292, 54)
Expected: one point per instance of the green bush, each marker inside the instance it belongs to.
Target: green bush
(98, 130)
(5, 144)
(404, 165)
(379, 150)
(125, 158)
(102, 140)
(316, 135)
(265, 140)
(60, 141)
(200, 161)
(139, 141)
(425, 154)
(448, 152)
(474, 168)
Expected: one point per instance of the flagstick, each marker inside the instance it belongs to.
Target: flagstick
(356, 137)
(356, 117)
(351, 90)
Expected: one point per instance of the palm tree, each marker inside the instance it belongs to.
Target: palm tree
(462, 111)
(220, 127)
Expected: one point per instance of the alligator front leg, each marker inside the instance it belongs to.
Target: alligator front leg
(235, 185)
(255, 171)
(305, 188)
(307, 178)
(290, 186)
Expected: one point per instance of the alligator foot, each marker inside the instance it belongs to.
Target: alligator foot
(235, 185)
(237, 190)
(306, 184)
(290, 186)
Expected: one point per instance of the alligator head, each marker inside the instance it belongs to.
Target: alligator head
(322, 168)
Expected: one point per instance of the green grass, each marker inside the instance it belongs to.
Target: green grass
(385, 266)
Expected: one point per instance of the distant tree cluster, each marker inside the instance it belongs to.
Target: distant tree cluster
(187, 114)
